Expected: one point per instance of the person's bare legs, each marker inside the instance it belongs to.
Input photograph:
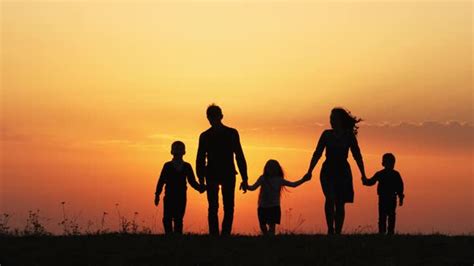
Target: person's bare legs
(329, 211)
(271, 229)
(339, 216)
(263, 228)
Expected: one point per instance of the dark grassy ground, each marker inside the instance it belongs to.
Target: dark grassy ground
(115, 249)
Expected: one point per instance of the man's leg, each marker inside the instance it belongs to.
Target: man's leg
(212, 189)
(228, 194)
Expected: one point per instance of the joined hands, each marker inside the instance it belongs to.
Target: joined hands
(202, 188)
(244, 186)
(307, 176)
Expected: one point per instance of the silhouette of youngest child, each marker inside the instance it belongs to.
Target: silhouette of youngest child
(390, 185)
(272, 182)
(174, 175)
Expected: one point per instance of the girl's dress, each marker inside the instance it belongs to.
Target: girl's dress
(269, 210)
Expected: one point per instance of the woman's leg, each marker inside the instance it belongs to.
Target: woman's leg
(339, 216)
(329, 211)
(271, 230)
(263, 228)
(261, 221)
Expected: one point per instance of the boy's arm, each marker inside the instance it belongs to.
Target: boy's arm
(160, 184)
(400, 194)
(256, 185)
(371, 181)
(294, 183)
(192, 178)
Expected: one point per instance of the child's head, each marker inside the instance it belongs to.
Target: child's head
(178, 148)
(388, 161)
(273, 168)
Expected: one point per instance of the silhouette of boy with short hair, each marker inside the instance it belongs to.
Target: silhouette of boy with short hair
(390, 186)
(174, 175)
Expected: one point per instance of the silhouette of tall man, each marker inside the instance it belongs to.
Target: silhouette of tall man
(215, 165)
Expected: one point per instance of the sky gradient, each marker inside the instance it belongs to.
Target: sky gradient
(93, 95)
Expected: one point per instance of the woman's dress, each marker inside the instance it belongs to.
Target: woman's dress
(336, 175)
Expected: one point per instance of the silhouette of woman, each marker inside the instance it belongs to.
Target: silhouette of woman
(336, 175)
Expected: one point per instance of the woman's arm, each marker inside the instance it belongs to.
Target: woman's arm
(294, 183)
(317, 153)
(355, 150)
(256, 185)
(371, 181)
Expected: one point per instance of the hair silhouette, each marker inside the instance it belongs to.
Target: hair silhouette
(178, 148)
(273, 169)
(388, 160)
(347, 121)
(214, 112)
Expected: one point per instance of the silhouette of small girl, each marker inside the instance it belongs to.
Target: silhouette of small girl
(174, 175)
(271, 182)
(390, 186)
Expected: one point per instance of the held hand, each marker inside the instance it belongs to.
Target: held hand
(307, 177)
(243, 186)
(157, 200)
(202, 188)
(401, 202)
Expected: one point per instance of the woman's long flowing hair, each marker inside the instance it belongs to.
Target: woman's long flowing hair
(348, 121)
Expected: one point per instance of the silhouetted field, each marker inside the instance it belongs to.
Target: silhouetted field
(117, 249)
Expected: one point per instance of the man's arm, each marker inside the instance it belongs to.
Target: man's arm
(201, 160)
(239, 156)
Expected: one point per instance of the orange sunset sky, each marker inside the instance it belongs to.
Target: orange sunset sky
(94, 92)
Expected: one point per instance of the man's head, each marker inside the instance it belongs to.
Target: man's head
(178, 148)
(214, 114)
(388, 161)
